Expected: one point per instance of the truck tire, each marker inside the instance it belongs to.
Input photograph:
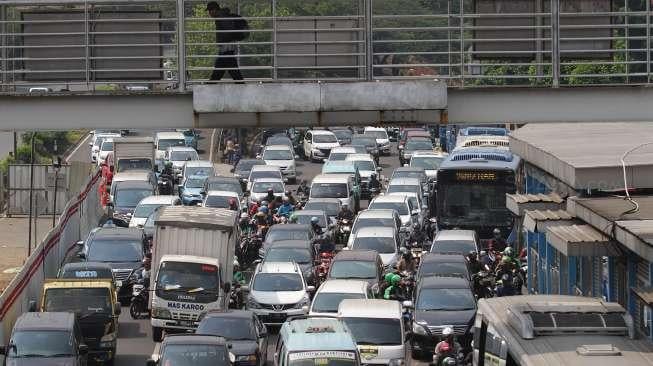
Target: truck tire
(157, 334)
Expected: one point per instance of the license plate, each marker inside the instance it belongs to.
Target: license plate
(185, 323)
(277, 316)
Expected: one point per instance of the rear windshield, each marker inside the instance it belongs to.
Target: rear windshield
(400, 207)
(453, 246)
(329, 190)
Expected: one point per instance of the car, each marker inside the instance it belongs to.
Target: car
(436, 264)
(358, 265)
(286, 232)
(301, 252)
(220, 199)
(126, 196)
(343, 135)
(191, 189)
(105, 150)
(263, 171)
(340, 153)
(414, 144)
(47, 338)
(178, 156)
(96, 143)
(164, 140)
(366, 166)
(318, 144)
(441, 302)
(277, 291)
(96, 270)
(369, 142)
(304, 217)
(409, 132)
(399, 203)
(280, 139)
(244, 167)
(147, 205)
(219, 183)
(330, 206)
(193, 349)
(455, 241)
(133, 176)
(383, 240)
(191, 137)
(340, 186)
(260, 188)
(343, 167)
(246, 335)
(413, 188)
(381, 136)
(281, 156)
(197, 167)
(123, 249)
(332, 292)
(371, 218)
(429, 162)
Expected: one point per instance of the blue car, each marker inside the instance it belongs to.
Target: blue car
(190, 191)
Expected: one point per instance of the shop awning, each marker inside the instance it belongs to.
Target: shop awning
(581, 240)
(518, 203)
(645, 293)
(540, 220)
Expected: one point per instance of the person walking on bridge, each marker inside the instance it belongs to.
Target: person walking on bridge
(225, 25)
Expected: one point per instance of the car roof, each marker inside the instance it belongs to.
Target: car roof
(405, 181)
(198, 176)
(290, 227)
(119, 233)
(189, 339)
(229, 313)
(443, 282)
(375, 232)
(45, 321)
(332, 178)
(455, 235)
(300, 336)
(376, 214)
(199, 163)
(265, 167)
(355, 157)
(170, 135)
(309, 213)
(408, 169)
(85, 266)
(427, 153)
(321, 132)
(222, 193)
(303, 244)
(357, 255)
(249, 161)
(222, 179)
(162, 199)
(343, 149)
(267, 180)
(181, 148)
(134, 184)
(277, 147)
(132, 175)
(343, 286)
(369, 308)
(442, 258)
(370, 128)
(389, 198)
(278, 267)
(323, 200)
(417, 133)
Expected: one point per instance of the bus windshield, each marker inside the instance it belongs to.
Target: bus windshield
(474, 202)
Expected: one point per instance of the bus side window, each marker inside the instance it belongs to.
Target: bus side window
(496, 349)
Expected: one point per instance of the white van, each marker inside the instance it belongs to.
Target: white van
(318, 144)
(340, 186)
(381, 136)
(164, 140)
(378, 330)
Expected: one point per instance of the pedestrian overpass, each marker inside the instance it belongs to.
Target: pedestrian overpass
(145, 63)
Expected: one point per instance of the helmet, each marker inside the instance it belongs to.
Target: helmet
(263, 209)
(244, 216)
(168, 164)
(508, 252)
(416, 226)
(232, 201)
(270, 190)
(314, 220)
(345, 205)
(403, 250)
(496, 232)
(447, 331)
(373, 175)
(394, 280)
(236, 262)
(483, 253)
(472, 254)
(264, 203)
(288, 193)
(286, 199)
(293, 218)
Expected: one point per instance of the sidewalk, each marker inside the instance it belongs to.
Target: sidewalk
(13, 244)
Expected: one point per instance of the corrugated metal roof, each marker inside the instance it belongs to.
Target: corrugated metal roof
(643, 229)
(578, 234)
(580, 240)
(526, 198)
(197, 217)
(518, 203)
(548, 215)
(645, 293)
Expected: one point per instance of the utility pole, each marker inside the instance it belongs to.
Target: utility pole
(56, 165)
(31, 196)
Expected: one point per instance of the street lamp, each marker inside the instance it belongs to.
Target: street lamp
(57, 166)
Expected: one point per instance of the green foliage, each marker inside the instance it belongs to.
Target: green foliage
(43, 148)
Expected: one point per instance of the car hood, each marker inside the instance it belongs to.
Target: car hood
(38, 361)
(178, 163)
(192, 191)
(438, 318)
(405, 219)
(243, 347)
(365, 173)
(325, 145)
(135, 221)
(277, 297)
(279, 162)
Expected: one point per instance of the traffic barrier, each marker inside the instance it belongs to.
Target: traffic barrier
(80, 215)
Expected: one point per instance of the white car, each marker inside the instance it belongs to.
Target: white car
(399, 203)
(281, 156)
(384, 240)
(340, 186)
(164, 140)
(412, 188)
(381, 136)
(366, 167)
(278, 290)
(260, 188)
(220, 199)
(341, 153)
(95, 145)
(148, 205)
(263, 171)
(318, 144)
(106, 149)
(328, 297)
(429, 162)
(178, 156)
(197, 167)
(373, 218)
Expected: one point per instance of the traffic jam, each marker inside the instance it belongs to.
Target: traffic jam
(361, 263)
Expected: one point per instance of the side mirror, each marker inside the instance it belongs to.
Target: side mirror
(406, 165)
(82, 349)
(232, 358)
(231, 170)
(296, 157)
(378, 168)
(407, 304)
(227, 287)
(150, 362)
(415, 212)
(310, 289)
(118, 309)
(31, 307)
(81, 255)
(305, 309)
(79, 243)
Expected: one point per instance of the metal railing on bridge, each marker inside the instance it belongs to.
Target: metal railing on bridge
(170, 45)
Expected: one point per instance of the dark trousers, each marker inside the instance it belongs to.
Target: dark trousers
(230, 63)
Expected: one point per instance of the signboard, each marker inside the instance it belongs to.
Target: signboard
(476, 176)
(321, 354)
(61, 180)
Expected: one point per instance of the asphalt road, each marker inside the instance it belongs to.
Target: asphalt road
(135, 344)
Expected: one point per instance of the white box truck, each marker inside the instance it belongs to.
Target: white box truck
(133, 153)
(192, 266)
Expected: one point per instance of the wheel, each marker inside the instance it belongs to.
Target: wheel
(157, 334)
(134, 310)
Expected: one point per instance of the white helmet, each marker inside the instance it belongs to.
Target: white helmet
(447, 331)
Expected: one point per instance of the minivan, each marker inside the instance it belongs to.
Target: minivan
(340, 186)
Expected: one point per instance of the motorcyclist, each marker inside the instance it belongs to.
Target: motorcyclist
(446, 347)
(508, 263)
(345, 213)
(473, 263)
(253, 207)
(394, 291)
(504, 285)
(233, 205)
(315, 225)
(286, 208)
(374, 183)
(485, 259)
(261, 217)
(291, 198)
(326, 246)
(270, 196)
(498, 243)
(167, 176)
(407, 262)
(417, 236)
(147, 269)
(245, 224)
(386, 282)
(239, 278)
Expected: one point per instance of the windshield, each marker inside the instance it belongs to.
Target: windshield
(134, 164)
(78, 300)
(365, 165)
(264, 174)
(371, 222)
(194, 182)
(298, 255)
(198, 170)
(445, 299)
(146, 210)
(164, 144)
(342, 134)
(328, 302)
(419, 145)
(353, 269)
(403, 188)
(428, 163)
(377, 134)
(277, 155)
(277, 235)
(130, 197)
(183, 155)
(380, 244)
(329, 190)
(324, 139)
(225, 186)
(338, 156)
(278, 282)
(278, 140)
(322, 358)
(41, 344)
(331, 209)
(189, 277)
(218, 201)
(115, 251)
(229, 328)
(453, 246)
(400, 207)
(194, 354)
(107, 146)
(375, 331)
(98, 141)
(364, 141)
(442, 268)
(473, 203)
(262, 187)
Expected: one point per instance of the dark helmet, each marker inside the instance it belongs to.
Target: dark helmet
(288, 193)
(496, 232)
(232, 202)
(270, 190)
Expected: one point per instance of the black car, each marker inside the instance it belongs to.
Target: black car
(343, 135)
(122, 249)
(414, 144)
(244, 166)
(229, 184)
(448, 265)
(126, 196)
(301, 252)
(369, 142)
(357, 265)
(193, 349)
(244, 332)
(441, 302)
(46, 339)
(286, 232)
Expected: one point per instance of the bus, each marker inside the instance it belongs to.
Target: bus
(544, 330)
(471, 190)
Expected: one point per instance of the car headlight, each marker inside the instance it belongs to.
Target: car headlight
(108, 340)
(251, 304)
(246, 358)
(161, 313)
(304, 302)
(396, 362)
(418, 329)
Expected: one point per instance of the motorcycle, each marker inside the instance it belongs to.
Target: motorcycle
(483, 284)
(140, 298)
(165, 185)
(374, 192)
(431, 229)
(343, 231)
(248, 250)
(323, 266)
(236, 297)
